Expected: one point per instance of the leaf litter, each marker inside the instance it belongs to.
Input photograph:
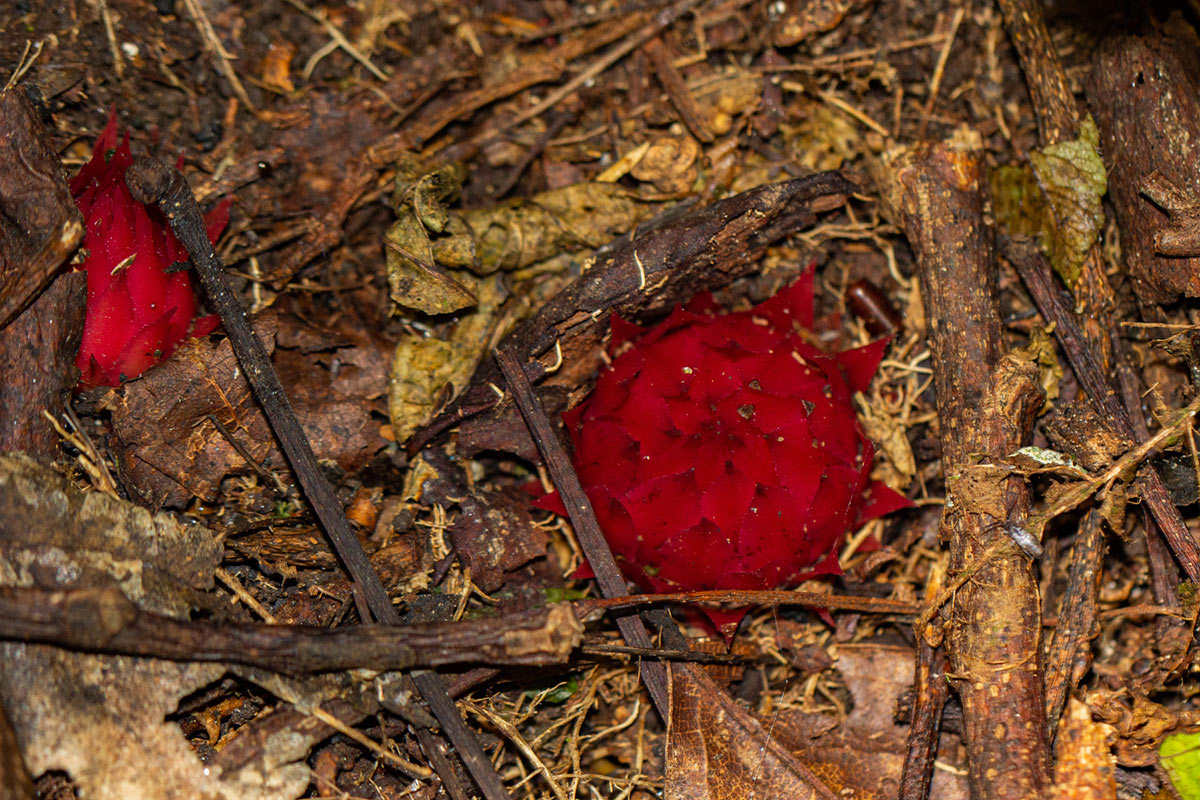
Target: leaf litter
(383, 315)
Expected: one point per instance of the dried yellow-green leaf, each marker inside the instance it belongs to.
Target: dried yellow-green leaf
(1042, 350)
(426, 191)
(526, 231)
(429, 372)
(414, 279)
(891, 437)
(1056, 198)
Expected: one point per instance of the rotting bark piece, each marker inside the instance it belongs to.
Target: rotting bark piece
(100, 718)
(1085, 766)
(37, 360)
(986, 403)
(1069, 656)
(671, 259)
(49, 528)
(39, 223)
(1076, 429)
(15, 781)
(1144, 92)
(1181, 235)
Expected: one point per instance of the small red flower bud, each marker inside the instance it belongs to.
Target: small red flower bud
(140, 303)
(722, 451)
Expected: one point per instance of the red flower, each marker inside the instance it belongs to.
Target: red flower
(722, 451)
(140, 303)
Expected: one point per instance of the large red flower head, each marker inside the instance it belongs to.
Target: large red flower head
(140, 303)
(722, 451)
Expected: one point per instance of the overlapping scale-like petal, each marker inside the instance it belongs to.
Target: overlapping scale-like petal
(722, 451)
(139, 309)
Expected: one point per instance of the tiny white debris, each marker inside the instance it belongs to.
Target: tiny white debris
(1045, 456)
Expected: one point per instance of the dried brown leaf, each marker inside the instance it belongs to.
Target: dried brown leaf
(170, 449)
(861, 754)
(717, 751)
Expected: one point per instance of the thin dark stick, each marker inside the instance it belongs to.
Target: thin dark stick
(583, 518)
(152, 182)
(931, 691)
(692, 656)
(431, 744)
(1034, 270)
(259, 469)
(155, 182)
(556, 124)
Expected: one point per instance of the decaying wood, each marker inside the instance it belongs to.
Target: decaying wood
(986, 404)
(39, 223)
(1069, 654)
(1035, 272)
(1145, 95)
(105, 621)
(644, 276)
(15, 780)
(1058, 120)
(1180, 236)
(37, 360)
(1122, 422)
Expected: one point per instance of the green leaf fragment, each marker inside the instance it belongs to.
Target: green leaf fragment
(1179, 755)
(1056, 197)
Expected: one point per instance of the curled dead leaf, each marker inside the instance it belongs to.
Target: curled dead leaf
(670, 164)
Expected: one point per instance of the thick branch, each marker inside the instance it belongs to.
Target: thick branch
(986, 404)
(1145, 95)
(105, 621)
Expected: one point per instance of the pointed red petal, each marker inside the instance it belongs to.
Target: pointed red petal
(622, 332)
(861, 363)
